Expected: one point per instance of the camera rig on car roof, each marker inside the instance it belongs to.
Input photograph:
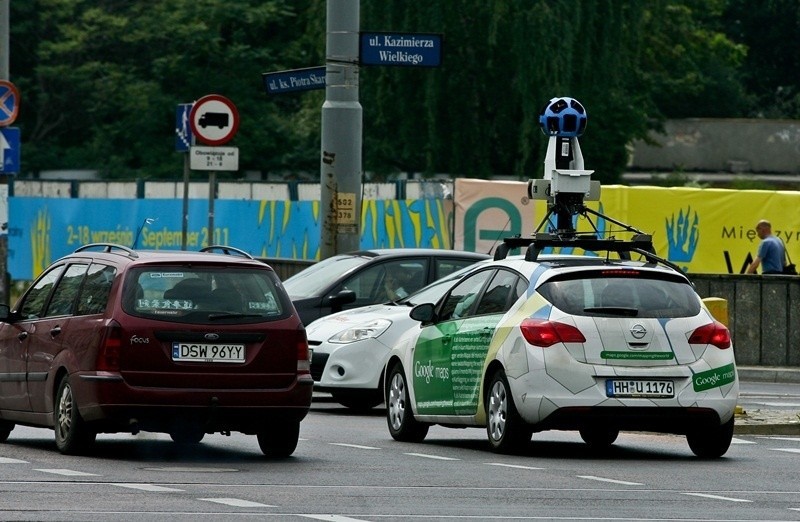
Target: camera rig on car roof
(566, 185)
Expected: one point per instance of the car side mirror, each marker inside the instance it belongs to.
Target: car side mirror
(424, 313)
(5, 313)
(344, 297)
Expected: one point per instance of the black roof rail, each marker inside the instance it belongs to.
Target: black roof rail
(110, 248)
(227, 250)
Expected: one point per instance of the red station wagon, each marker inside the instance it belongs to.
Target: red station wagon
(110, 339)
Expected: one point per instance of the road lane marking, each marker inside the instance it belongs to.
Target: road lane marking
(236, 502)
(332, 518)
(9, 460)
(742, 441)
(787, 450)
(149, 487)
(793, 439)
(356, 446)
(516, 466)
(613, 481)
(68, 472)
(426, 456)
(717, 497)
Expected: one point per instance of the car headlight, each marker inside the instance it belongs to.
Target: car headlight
(368, 330)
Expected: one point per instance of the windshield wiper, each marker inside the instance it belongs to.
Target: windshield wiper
(231, 315)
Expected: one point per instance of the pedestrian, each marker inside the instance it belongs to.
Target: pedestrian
(771, 252)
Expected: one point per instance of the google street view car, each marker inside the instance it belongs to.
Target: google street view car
(597, 343)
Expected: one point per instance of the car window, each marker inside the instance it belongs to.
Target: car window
(317, 278)
(446, 266)
(201, 294)
(66, 292)
(33, 305)
(501, 293)
(96, 287)
(434, 291)
(459, 302)
(637, 294)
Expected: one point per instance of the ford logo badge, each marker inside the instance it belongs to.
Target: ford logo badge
(211, 336)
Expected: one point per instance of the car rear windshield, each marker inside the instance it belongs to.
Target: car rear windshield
(633, 293)
(204, 294)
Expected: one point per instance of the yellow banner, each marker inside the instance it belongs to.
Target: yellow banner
(702, 230)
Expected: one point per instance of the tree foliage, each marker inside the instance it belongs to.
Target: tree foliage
(100, 79)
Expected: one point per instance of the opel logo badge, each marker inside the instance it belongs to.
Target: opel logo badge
(211, 336)
(638, 331)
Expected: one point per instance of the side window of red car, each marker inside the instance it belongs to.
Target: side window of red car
(65, 294)
(33, 305)
(96, 288)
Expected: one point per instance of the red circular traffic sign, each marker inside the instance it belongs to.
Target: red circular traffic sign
(9, 103)
(214, 119)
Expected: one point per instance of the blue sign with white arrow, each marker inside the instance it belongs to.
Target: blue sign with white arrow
(183, 127)
(9, 150)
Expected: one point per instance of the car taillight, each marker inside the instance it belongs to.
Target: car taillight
(303, 355)
(540, 332)
(108, 354)
(712, 333)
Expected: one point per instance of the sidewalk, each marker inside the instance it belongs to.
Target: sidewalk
(767, 421)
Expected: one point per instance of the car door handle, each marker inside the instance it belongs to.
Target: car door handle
(55, 331)
(22, 336)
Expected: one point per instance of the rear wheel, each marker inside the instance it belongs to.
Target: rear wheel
(402, 424)
(711, 442)
(507, 431)
(599, 437)
(279, 440)
(187, 436)
(73, 435)
(5, 430)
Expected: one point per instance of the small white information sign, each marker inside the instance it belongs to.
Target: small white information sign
(214, 158)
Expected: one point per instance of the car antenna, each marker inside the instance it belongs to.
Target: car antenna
(499, 236)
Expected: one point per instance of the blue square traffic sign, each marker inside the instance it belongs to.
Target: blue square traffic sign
(9, 150)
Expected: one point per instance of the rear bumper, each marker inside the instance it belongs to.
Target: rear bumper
(661, 420)
(112, 405)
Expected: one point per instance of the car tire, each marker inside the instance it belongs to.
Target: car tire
(73, 435)
(360, 401)
(399, 417)
(599, 437)
(280, 440)
(506, 430)
(5, 430)
(711, 442)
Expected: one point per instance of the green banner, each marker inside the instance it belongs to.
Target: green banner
(714, 378)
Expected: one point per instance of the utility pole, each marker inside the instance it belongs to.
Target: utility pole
(340, 167)
(4, 75)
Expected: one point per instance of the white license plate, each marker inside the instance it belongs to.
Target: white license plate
(640, 388)
(208, 352)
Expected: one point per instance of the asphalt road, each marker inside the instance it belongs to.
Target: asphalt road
(347, 468)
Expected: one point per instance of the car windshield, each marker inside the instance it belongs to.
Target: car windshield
(636, 294)
(434, 291)
(315, 279)
(204, 294)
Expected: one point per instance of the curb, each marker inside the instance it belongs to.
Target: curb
(769, 374)
(766, 429)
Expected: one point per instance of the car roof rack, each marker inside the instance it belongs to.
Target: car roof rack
(112, 248)
(227, 250)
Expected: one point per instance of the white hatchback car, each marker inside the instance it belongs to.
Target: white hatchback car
(580, 343)
(350, 348)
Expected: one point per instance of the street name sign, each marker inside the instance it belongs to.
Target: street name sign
(401, 49)
(306, 79)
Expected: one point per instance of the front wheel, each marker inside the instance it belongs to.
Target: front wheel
(711, 442)
(73, 435)
(507, 431)
(280, 440)
(359, 401)
(402, 424)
